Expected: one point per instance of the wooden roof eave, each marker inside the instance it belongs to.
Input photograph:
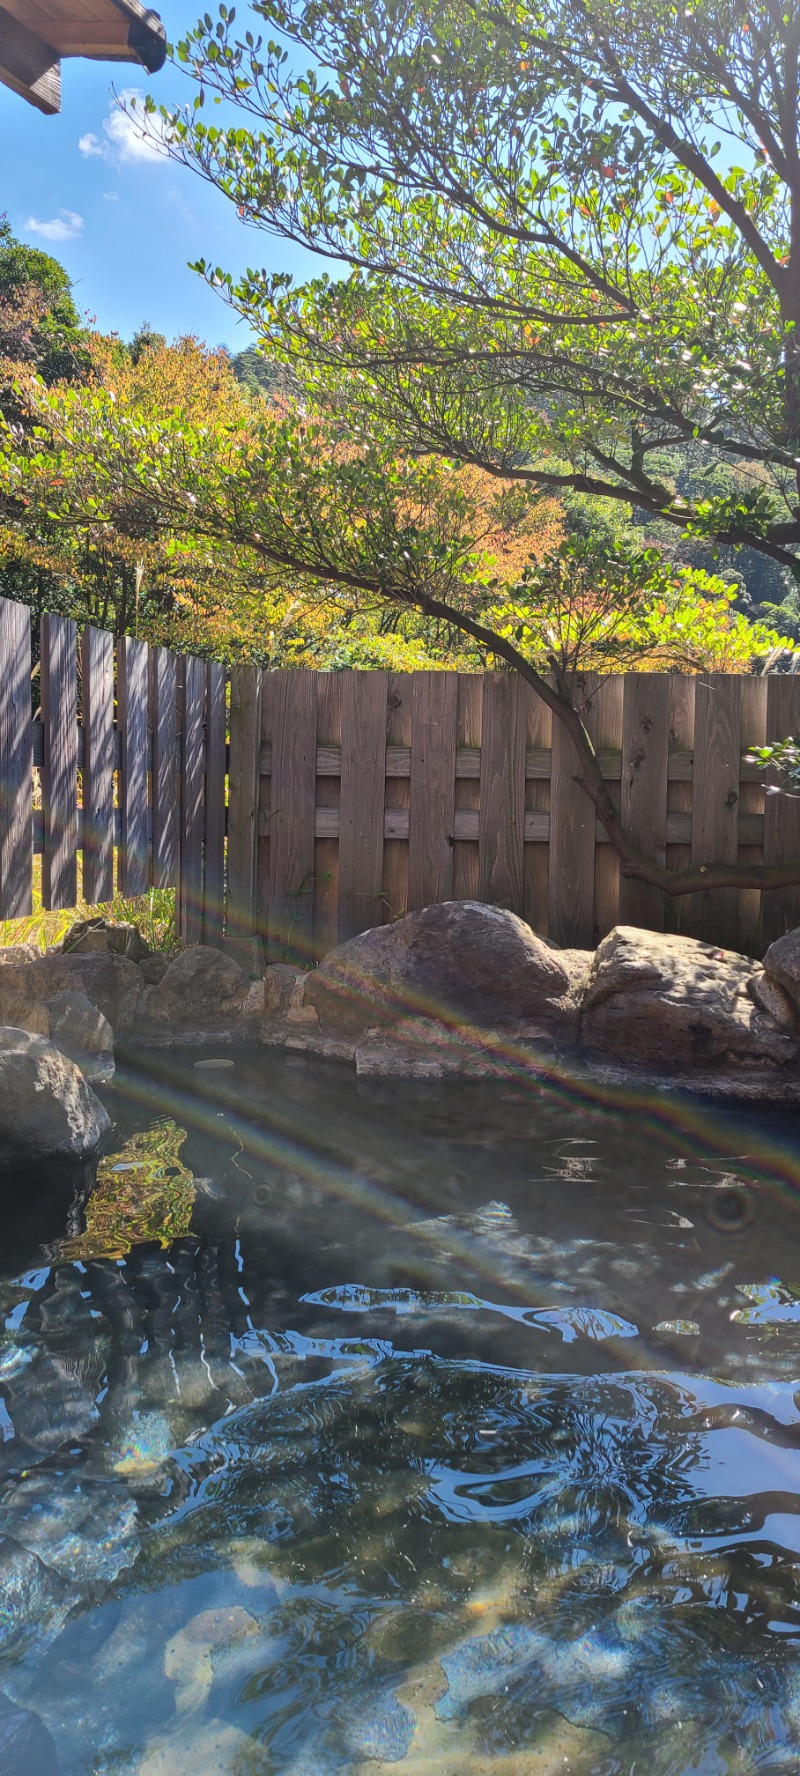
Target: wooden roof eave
(32, 46)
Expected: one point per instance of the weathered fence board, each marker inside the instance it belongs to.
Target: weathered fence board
(572, 823)
(643, 799)
(214, 859)
(132, 687)
(604, 722)
(433, 787)
(97, 697)
(294, 772)
(715, 801)
(166, 802)
(60, 774)
(502, 780)
(398, 793)
(364, 706)
(243, 809)
(781, 907)
(192, 679)
(16, 782)
(326, 850)
(466, 862)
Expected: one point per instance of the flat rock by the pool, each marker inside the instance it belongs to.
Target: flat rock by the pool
(382, 1732)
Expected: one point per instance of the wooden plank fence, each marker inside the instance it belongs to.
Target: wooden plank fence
(301, 808)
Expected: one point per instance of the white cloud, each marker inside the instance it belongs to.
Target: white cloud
(111, 196)
(67, 225)
(129, 137)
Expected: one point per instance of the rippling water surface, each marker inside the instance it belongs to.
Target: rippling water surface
(447, 1429)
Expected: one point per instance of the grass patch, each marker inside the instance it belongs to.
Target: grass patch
(153, 913)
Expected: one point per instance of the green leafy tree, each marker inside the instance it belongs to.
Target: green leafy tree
(39, 322)
(570, 233)
(332, 512)
(573, 228)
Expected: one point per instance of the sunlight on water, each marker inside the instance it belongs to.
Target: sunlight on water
(446, 1431)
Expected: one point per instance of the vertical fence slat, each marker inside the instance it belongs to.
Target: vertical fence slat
(502, 810)
(16, 782)
(751, 801)
(362, 802)
(132, 693)
(715, 801)
(433, 787)
(193, 685)
(681, 711)
(466, 852)
(214, 860)
(243, 810)
(643, 790)
(326, 851)
(263, 824)
(291, 837)
(166, 804)
(97, 686)
(780, 908)
(60, 775)
(572, 845)
(604, 724)
(399, 709)
(537, 800)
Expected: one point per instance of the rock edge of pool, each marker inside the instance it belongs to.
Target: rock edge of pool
(459, 989)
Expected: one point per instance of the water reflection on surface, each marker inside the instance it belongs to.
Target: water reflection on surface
(439, 1429)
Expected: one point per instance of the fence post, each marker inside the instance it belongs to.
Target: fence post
(192, 674)
(132, 677)
(97, 701)
(245, 766)
(60, 773)
(166, 808)
(16, 778)
(214, 861)
(291, 837)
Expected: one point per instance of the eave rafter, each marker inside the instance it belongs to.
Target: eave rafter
(34, 41)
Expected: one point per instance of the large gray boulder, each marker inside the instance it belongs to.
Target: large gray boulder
(782, 964)
(111, 983)
(46, 1106)
(457, 962)
(80, 1031)
(676, 1005)
(202, 989)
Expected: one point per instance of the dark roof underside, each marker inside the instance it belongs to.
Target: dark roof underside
(36, 34)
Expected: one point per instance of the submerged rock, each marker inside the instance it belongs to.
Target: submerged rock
(212, 1748)
(458, 961)
(381, 1732)
(83, 1531)
(46, 1106)
(46, 1405)
(34, 1602)
(26, 1748)
(485, 1664)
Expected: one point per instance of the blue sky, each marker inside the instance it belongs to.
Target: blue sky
(126, 226)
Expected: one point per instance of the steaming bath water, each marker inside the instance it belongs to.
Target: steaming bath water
(448, 1429)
